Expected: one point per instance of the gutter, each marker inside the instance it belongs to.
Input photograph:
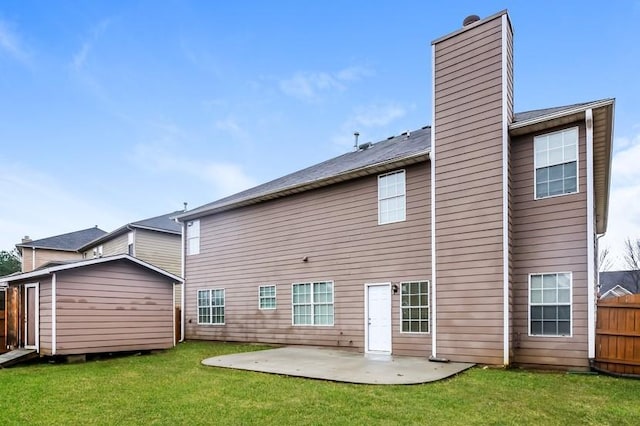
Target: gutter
(560, 114)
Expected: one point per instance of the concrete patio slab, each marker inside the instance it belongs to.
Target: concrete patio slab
(340, 366)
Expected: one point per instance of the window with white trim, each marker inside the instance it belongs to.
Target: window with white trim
(556, 163)
(414, 300)
(391, 197)
(130, 243)
(550, 304)
(312, 303)
(211, 306)
(193, 237)
(267, 297)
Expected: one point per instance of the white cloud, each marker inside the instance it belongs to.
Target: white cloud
(364, 118)
(39, 205)
(10, 42)
(624, 201)
(163, 157)
(309, 86)
(79, 59)
(232, 127)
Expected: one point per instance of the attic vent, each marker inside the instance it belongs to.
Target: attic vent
(470, 20)
(365, 146)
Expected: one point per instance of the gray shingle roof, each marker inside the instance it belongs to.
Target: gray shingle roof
(395, 147)
(161, 223)
(71, 241)
(405, 145)
(627, 279)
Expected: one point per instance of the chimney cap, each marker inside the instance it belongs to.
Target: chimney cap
(470, 20)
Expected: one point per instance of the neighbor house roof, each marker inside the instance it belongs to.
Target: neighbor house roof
(84, 263)
(163, 223)
(71, 241)
(404, 149)
(629, 280)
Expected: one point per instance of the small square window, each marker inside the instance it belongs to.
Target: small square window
(267, 297)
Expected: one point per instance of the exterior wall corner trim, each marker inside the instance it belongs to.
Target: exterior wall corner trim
(591, 300)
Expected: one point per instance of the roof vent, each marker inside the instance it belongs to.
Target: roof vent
(470, 20)
(364, 146)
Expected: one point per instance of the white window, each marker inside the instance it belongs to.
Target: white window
(550, 304)
(312, 303)
(130, 243)
(267, 297)
(414, 298)
(556, 163)
(193, 237)
(211, 306)
(98, 251)
(391, 197)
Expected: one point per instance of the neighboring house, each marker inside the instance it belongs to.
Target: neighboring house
(469, 240)
(619, 283)
(156, 240)
(36, 253)
(109, 304)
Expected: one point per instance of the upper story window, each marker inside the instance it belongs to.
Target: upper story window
(193, 237)
(130, 243)
(556, 163)
(391, 197)
(98, 251)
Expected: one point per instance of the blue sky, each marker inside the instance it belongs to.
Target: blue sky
(112, 112)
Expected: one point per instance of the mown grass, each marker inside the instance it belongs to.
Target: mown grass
(174, 388)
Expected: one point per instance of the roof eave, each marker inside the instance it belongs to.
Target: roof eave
(341, 177)
(151, 228)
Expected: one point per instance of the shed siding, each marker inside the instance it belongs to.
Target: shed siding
(113, 307)
(549, 235)
(336, 227)
(469, 193)
(45, 315)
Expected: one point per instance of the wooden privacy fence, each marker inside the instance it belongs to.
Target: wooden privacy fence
(618, 335)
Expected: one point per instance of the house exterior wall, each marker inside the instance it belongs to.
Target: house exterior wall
(470, 130)
(111, 247)
(44, 256)
(44, 290)
(113, 306)
(161, 250)
(549, 235)
(336, 227)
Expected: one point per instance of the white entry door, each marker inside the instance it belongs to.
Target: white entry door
(378, 318)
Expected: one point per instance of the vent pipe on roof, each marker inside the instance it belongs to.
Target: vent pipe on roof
(355, 143)
(470, 20)
(185, 206)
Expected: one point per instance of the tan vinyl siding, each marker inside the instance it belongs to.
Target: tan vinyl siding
(44, 256)
(111, 307)
(469, 193)
(549, 235)
(111, 247)
(336, 227)
(161, 250)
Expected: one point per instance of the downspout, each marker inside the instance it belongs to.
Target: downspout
(505, 200)
(54, 327)
(591, 301)
(184, 284)
(432, 162)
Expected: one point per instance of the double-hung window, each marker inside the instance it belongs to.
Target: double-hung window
(556, 163)
(391, 197)
(312, 303)
(211, 306)
(267, 297)
(193, 237)
(414, 298)
(550, 304)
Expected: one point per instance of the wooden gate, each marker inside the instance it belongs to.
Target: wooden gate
(618, 335)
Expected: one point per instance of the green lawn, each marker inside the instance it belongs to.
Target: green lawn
(173, 388)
